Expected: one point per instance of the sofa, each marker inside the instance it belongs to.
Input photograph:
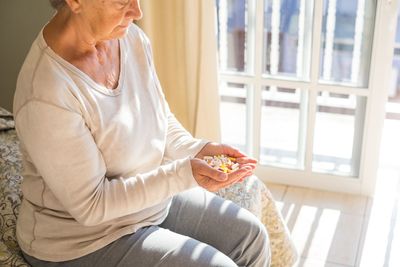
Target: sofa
(251, 194)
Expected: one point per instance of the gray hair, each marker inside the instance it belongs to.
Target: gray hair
(57, 4)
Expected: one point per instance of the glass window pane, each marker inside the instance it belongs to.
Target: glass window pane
(338, 134)
(394, 89)
(287, 37)
(347, 35)
(283, 125)
(232, 34)
(233, 112)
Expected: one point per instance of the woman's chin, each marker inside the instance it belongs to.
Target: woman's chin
(120, 31)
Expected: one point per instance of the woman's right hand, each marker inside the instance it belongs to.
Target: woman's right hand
(214, 180)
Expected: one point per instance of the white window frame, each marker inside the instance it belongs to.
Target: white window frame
(380, 70)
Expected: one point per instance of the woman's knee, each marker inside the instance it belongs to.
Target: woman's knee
(255, 246)
(261, 246)
(195, 253)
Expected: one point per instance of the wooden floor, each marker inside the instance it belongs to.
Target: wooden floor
(342, 230)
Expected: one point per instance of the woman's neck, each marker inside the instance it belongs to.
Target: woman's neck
(71, 38)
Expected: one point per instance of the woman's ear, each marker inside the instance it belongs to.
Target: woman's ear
(74, 5)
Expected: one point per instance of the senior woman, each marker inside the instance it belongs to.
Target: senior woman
(111, 178)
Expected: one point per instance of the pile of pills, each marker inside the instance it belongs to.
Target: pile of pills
(222, 163)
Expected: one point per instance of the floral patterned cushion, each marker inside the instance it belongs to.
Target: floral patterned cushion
(10, 197)
(5, 113)
(251, 194)
(6, 121)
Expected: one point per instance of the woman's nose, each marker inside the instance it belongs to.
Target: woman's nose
(134, 10)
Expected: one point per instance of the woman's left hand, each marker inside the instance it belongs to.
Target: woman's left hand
(212, 149)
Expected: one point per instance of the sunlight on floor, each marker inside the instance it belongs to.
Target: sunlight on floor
(382, 223)
(342, 230)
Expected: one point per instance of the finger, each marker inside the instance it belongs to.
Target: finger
(212, 173)
(243, 171)
(251, 165)
(243, 160)
(232, 151)
(239, 175)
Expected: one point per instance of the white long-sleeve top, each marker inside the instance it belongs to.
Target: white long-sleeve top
(97, 163)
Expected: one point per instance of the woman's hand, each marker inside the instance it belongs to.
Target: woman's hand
(214, 180)
(212, 149)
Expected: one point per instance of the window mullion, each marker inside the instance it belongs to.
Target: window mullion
(256, 12)
(223, 30)
(275, 24)
(358, 36)
(313, 90)
(329, 41)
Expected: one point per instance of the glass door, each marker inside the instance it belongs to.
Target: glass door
(303, 87)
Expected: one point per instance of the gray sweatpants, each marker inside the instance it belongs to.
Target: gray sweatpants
(201, 229)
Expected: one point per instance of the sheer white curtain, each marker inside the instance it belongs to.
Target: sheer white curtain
(183, 37)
